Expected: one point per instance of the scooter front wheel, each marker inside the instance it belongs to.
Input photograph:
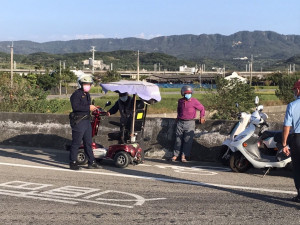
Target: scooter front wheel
(121, 159)
(238, 163)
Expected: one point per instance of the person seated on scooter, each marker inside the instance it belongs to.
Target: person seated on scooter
(80, 123)
(125, 106)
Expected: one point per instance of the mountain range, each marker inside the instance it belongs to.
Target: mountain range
(240, 45)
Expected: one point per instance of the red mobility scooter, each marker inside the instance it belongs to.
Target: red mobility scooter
(131, 151)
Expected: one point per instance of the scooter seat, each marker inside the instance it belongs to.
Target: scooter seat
(268, 134)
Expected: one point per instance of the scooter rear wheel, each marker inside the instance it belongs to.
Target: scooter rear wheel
(81, 157)
(238, 163)
(224, 155)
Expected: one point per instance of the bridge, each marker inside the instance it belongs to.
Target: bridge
(180, 77)
(157, 76)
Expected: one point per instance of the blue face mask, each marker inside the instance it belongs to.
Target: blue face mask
(188, 96)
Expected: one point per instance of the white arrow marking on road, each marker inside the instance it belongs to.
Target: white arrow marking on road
(156, 178)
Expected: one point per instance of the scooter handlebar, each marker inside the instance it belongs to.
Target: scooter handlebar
(99, 112)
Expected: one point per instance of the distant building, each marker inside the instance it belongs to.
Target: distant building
(234, 75)
(78, 73)
(187, 69)
(97, 64)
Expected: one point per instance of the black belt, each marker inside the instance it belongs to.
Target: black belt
(185, 120)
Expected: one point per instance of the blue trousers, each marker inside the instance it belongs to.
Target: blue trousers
(185, 131)
(82, 132)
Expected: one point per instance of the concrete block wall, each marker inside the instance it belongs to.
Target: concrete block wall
(53, 131)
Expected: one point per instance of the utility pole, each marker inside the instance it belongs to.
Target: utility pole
(11, 64)
(138, 66)
(59, 77)
(93, 51)
(251, 68)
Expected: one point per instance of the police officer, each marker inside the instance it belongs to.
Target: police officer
(80, 123)
(186, 113)
(125, 106)
(292, 120)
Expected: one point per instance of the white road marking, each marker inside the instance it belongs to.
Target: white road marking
(155, 178)
(71, 194)
(197, 170)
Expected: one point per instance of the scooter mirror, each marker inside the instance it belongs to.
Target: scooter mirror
(256, 100)
(108, 103)
(260, 108)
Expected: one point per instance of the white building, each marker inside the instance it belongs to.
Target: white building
(187, 69)
(97, 64)
(234, 75)
(78, 73)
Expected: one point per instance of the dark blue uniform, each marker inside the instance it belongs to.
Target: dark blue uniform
(81, 131)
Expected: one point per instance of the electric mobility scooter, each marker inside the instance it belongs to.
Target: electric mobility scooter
(131, 151)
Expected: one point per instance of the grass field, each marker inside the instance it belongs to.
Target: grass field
(170, 96)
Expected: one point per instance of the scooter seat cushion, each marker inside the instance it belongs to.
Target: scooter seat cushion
(267, 134)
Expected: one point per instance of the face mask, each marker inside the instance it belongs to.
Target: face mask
(188, 96)
(86, 88)
(124, 98)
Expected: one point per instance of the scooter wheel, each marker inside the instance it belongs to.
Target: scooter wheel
(81, 157)
(121, 159)
(238, 163)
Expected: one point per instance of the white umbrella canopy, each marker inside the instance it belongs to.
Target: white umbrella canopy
(145, 90)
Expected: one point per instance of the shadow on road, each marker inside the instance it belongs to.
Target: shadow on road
(31, 154)
(57, 158)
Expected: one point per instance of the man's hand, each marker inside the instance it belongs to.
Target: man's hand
(202, 120)
(93, 108)
(286, 151)
(107, 114)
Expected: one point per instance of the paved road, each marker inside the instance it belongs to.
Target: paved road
(36, 187)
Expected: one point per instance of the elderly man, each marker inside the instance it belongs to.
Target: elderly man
(186, 113)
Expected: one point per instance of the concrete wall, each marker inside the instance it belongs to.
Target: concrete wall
(53, 131)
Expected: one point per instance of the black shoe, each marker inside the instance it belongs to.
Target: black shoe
(296, 199)
(94, 165)
(74, 166)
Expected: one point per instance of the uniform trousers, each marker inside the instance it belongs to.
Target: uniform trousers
(295, 154)
(82, 132)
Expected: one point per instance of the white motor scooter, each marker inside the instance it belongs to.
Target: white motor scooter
(239, 127)
(246, 152)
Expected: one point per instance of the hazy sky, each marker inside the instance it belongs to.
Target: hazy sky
(50, 20)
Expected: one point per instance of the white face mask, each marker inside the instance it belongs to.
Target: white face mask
(124, 98)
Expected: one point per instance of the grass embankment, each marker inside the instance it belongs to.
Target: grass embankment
(170, 96)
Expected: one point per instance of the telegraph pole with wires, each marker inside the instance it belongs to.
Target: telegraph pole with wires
(93, 58)
(138, 66)
(59, 77)
(251, 68)
(11, 64)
